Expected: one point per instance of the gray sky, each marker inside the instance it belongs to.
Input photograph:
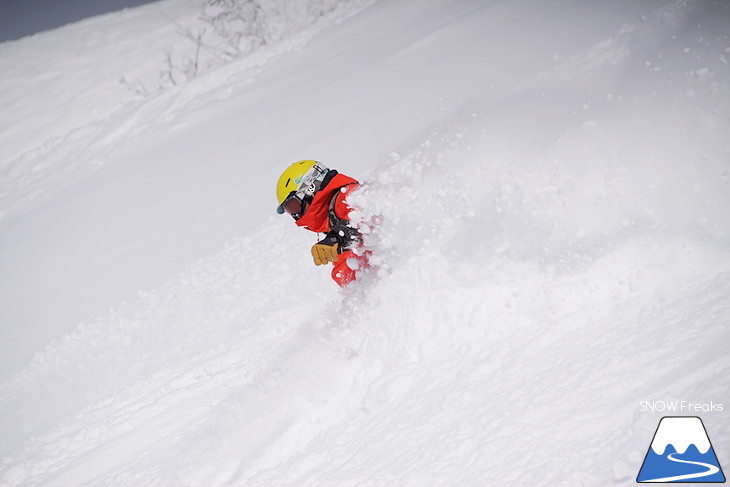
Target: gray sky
(19, 18)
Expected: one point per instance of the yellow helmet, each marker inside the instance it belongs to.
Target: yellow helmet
(299, 177)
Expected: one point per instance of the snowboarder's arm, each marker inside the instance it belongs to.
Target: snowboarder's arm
(339, 239)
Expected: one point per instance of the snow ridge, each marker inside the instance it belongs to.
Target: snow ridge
(110, 97)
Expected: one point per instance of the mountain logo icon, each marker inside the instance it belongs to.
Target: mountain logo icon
(680, 452)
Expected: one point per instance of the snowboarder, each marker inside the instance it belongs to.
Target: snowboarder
(315, 197)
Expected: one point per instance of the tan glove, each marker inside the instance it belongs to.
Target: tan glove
(324, 253)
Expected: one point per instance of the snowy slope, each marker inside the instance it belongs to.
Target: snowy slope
(551, 185)
(114, 202)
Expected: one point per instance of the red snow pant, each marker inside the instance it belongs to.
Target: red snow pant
(343, 272)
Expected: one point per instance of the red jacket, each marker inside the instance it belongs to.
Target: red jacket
(316, 218)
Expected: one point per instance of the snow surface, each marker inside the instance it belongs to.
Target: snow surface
(546, 198)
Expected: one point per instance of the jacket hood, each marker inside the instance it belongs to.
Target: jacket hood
(316, 218)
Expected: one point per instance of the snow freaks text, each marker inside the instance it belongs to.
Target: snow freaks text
(679, 407)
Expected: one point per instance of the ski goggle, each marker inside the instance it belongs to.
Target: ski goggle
(293, 205)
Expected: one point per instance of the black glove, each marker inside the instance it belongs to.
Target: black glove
(339, 239)
(346, 235)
